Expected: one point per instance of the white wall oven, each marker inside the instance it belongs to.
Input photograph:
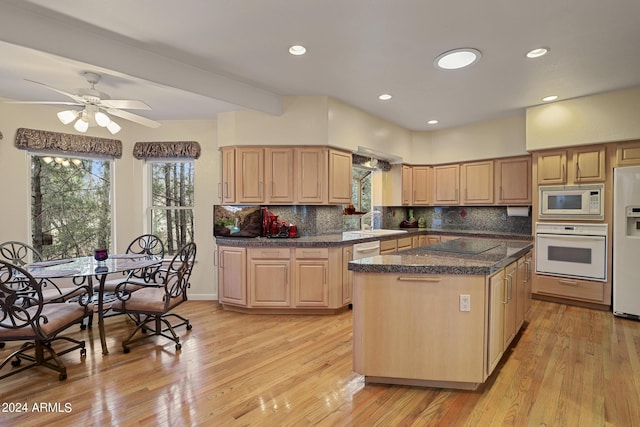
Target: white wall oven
(572, 250)
(572, 202)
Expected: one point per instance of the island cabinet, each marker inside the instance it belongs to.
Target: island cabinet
(436, 330)
(347, 276)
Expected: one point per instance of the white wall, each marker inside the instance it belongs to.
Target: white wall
(128, 185)
(607, 117)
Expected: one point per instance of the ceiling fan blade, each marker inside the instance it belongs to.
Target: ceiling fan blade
(126, 104)
(44, 102)
(62, 92)
(133, 117)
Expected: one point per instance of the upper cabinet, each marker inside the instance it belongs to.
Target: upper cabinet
(513, 180)
(628, 153)
(285, 175)
(407, 185)
(477, 183)
(422, 185)
(571, 166)
(279, 175)
(339, 177)
(446, 185)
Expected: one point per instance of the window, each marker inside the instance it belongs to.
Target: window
(70, 205)
(361, 189)
(171, 211)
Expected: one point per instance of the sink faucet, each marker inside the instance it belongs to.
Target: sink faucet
(363, 225)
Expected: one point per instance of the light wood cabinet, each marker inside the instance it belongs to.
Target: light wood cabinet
(269, 277)
(497, 310)
(432, 240)
(419, 241)
(232, 275)
(279, 177)
(575, 289)
(249, 175)
(510, 303)
(311, 175)
(388, 246)
(523, 289)
(407, 185)
(422, 185)
(347, 275)
(628, 153)
(340, 177)
(512, 180)
(477, 183)
(228, 175)
(311, 287)
(446, 185)
(571, 166)
(404, 243)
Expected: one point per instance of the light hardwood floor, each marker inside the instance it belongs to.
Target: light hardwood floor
(569, 367)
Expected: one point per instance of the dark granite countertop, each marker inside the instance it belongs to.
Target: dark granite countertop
(480, 257)
(346, 238)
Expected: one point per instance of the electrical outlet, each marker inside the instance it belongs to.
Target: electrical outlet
(465, 302)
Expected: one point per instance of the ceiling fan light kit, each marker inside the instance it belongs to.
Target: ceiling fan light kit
(94, 102)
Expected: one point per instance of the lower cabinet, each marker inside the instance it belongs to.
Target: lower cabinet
(275, 278)
(270, 277)
(232, 275)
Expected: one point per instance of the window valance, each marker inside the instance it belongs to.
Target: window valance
(166, 150)
(66, 143)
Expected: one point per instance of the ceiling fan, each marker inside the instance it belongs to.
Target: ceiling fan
(94, 103)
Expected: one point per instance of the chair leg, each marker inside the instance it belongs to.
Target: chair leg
(156, 329)
(40, 359)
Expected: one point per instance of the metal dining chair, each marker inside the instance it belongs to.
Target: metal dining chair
(26, 316)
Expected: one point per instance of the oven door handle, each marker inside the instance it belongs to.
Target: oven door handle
(571, 237)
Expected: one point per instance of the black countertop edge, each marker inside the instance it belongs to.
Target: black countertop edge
(346, 238)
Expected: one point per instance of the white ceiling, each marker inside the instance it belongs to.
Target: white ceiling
(192, 59)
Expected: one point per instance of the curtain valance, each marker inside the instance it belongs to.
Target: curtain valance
(66, 143)
(166, 150)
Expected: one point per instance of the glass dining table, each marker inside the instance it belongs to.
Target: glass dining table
(87, 268)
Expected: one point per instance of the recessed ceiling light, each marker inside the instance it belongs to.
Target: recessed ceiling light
(537, 53)
(550, 98)
(432, 122)
(385, 97)
(297, 50)
(457, 58)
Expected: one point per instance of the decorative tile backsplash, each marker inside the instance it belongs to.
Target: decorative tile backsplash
(317, 220)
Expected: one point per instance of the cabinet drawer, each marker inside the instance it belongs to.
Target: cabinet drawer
(312, 253)
(571, 288)
(404, 243)
(269, 253)
(388, 245)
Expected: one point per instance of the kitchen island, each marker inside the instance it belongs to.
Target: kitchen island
(441, 315)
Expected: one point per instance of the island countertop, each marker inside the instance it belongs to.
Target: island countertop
(461, 256)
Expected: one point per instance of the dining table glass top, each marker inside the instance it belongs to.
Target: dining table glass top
(88, 266)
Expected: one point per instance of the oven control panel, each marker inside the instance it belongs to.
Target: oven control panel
(572, 228)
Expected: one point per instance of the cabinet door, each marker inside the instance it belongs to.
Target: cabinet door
(347, 275)
(232, 275)
(311, 175)
(432, 240)
(311, 284)
(422, 185)
(477, 183)
(404, 243)
(628, 153)
(528, 280)
(588, 164)
(513, 180)
(228, 190)
(510, 301)
(269, 283)
(496, 320)
(552, 167)
(446, 185)
(520, 290)
(339, 177)
(407, 185)
(279, 175)
(388, 246)
(249, 175)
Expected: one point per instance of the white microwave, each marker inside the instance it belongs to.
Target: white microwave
(572, 202)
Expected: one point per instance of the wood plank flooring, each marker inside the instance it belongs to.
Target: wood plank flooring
(569, 367)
